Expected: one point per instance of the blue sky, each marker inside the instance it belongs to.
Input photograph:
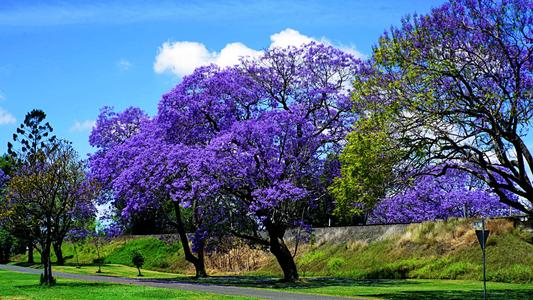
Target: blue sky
(70, 58)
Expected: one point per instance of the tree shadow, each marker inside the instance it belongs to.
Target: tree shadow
(277, 283)
(60, 284)
(463, 295)
(309, 283)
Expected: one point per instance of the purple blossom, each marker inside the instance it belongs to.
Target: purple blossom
(455, 194)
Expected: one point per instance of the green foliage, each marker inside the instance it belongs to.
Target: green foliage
(367, 163)
(6, 245)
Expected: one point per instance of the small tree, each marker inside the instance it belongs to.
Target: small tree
(32, 135)
(43, 193)
(77, 236)
(138, 260)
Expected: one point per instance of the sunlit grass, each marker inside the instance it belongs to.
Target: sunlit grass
(15, 285)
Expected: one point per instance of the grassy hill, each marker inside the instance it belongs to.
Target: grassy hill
(432, 250)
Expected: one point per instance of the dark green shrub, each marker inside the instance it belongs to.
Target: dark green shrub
(137, 259)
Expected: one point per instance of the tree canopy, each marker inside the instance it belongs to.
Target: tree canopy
(459, 82)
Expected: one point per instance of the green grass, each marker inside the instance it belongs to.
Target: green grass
(415, 289)
(25, 286)
(381, 289)
(113, 270)
(438, 250)
(15, 285)
(159, 255)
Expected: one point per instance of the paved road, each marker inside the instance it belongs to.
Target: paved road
(209, 288)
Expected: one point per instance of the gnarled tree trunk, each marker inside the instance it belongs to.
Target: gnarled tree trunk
(198, 262)
(282, 253)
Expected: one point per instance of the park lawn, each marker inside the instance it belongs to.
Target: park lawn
(14, 285)
(413, 289)
(394, 289)
(115, 270)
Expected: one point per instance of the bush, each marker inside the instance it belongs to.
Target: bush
(98, 261)
(137, 259)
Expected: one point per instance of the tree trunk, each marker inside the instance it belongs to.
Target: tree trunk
(200, 265)
(30, 253)
(139, 269)
(198, 262)
(282, 254)
(59, 253)
(47, 278)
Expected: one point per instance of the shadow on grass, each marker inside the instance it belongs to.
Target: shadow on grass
(66, 285)
(275, 283)
(26, 264)
(394, 284)
(466, 295)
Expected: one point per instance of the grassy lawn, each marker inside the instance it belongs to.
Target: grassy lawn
(383, 289)
(15, 285)
(415, 289)
(113, 270)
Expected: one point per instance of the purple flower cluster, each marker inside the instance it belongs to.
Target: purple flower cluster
(454, 194)
(3, 179)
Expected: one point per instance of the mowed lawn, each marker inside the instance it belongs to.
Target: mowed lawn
(25, 286)
(18, 286)
(415, 289)
(115, 270)
(395, 289)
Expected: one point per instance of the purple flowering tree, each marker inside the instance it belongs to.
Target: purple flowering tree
(261, 132)
(454, 194)
(142, 171)
(459, 84)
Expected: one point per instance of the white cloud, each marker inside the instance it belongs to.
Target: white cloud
(232, 52)
(6, 117)
(289, 37)
(182, 57)
(82, 126)
(124, 64)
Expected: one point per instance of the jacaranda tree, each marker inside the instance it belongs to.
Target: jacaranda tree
(140, 171)
(261, 132)
(459, 82)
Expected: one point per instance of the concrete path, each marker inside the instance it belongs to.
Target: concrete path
(197, 287)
